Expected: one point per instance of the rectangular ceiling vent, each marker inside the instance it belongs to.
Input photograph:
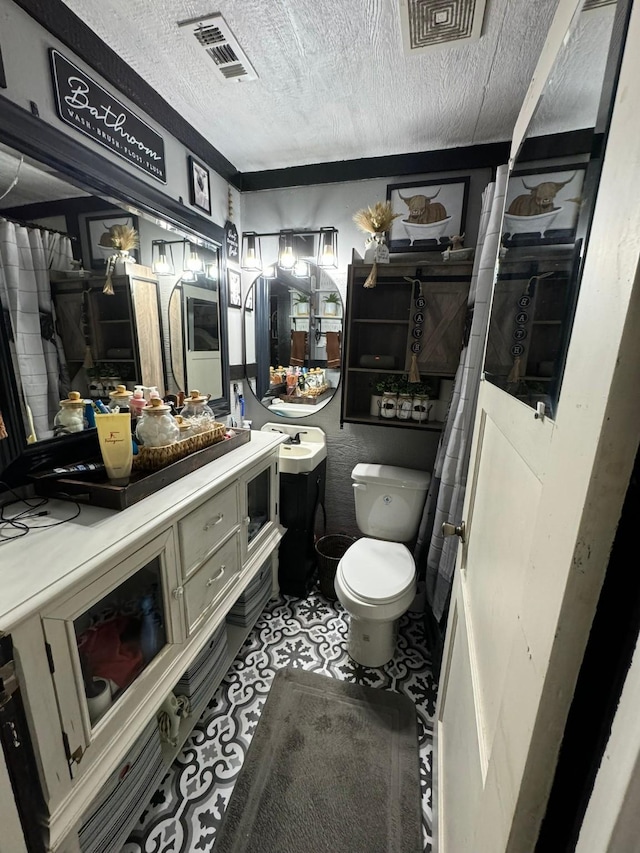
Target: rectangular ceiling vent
(427, 24)
(213, 34)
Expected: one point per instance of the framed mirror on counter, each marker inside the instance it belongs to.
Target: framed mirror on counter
(293, 339)
(81, 315)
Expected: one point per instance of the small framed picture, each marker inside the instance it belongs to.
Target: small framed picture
(100, 237)
(542, 205)
(199, 187)
(235, 288)
(431, 212)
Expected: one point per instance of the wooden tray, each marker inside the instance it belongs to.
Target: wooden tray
(309, 401)
(100, 492)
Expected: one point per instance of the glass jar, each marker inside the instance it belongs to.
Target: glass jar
(119, 399)
(389, 404)
(158, 427)
(71, 417)
(196, 411)
(404, 407)
(420, 411)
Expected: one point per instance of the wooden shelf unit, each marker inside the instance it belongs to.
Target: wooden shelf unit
(380, 321)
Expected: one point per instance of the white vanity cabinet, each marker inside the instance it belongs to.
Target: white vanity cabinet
(139, 601)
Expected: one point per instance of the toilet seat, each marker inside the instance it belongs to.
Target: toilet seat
(376, 571)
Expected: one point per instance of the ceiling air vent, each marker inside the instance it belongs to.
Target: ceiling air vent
(214, 36)
(427, 24)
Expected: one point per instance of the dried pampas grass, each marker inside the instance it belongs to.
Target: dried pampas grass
(376, 219)
(124, 238)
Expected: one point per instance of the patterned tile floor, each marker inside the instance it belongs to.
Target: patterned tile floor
(185, 812)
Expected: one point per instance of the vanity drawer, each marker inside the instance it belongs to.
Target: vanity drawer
(206, 586)
(202, 530)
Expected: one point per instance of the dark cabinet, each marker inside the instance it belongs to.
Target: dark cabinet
(301, 495)
(416, 313)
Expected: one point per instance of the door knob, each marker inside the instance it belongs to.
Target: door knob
(449, 529)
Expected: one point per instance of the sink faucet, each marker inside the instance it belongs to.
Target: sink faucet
(291, 439)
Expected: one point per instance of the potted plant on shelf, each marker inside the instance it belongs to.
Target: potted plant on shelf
(331, 303)
(302, 304)
(379, 386)
(420, 402)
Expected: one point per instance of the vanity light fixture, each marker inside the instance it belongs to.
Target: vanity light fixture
(291, 244)
(161, 263)
(192, 260)
(251, 255)
(211, 270)
(328, 248)
(286, 256)
(270, 272)
(301, 269)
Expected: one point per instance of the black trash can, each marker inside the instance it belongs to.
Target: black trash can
(330, 549)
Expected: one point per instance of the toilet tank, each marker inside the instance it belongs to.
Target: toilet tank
(389, 500)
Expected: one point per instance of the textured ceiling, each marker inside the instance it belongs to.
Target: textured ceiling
(316, 100)
(333, 80)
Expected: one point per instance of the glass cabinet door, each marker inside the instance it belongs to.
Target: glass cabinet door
(104, 638)
(119, 635)
(258, 503)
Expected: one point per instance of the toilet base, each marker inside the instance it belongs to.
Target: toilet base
(371, 643)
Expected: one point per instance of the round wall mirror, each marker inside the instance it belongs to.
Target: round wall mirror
(293, 339)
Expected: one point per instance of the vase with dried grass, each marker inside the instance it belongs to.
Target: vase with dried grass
(123, 238)
(375, 221)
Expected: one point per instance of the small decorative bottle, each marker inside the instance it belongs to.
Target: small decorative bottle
(148, 629)
(157, 427)
(71, 417)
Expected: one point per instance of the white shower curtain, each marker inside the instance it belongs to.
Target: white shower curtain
(26, 257)
(448, 485)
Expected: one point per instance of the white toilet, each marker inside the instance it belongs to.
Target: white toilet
(376, 580)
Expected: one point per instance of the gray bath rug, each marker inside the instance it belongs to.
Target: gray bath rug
(332, 766)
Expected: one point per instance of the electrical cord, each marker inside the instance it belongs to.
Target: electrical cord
(33, 509)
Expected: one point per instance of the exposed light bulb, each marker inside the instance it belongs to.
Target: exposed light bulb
(287, 258)
(301, 269)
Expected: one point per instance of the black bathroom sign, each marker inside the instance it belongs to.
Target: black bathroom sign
(86, 106)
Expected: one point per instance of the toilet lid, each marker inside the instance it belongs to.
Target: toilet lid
(376, 571)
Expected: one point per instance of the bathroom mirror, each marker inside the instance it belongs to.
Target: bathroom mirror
(293, 339)
(549, 200)
(194, 328)
(67, 203)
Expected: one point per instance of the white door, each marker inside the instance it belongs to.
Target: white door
(543, 499)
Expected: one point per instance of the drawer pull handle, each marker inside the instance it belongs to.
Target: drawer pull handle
(217, 577)
(214, 522)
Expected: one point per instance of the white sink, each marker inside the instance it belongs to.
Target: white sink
(302, 457)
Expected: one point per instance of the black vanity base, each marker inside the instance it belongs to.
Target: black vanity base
(300, 497)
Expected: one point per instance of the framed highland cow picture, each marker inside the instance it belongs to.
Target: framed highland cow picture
(542, 205)
(430, 213)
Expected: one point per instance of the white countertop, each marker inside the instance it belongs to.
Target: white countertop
(46, 561)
